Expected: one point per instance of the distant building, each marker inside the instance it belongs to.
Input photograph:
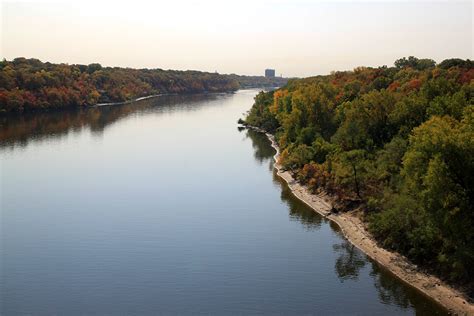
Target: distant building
(269, 73)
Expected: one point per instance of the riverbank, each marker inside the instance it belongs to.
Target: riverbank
(355, 231)
(154, 96)
(130, 101)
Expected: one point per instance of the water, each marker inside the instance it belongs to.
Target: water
(164, 206)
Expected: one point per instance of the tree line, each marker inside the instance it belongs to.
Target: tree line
(29, 84)
(396, 142)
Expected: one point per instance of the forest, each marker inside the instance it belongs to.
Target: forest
(32, 85)
(246, 82)
(395, 144)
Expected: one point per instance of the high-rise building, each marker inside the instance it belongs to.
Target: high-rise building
(269, 73)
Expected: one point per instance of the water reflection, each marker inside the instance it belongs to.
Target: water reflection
(264, 152)
(390, 291)
(299, 211)
(20, 129)
(350, 262)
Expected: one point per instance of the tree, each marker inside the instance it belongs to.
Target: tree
(91, 68)
(350, 169)
(297, 157)
(438, 170)
(413, 62)
(456, 62)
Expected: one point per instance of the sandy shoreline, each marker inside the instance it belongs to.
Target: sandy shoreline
(130, 101)
(354, 230)
(149, 97)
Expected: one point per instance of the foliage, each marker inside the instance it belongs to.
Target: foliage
(29, 84)
(413, 62)
(260, 115)
(258, 81)
(398, 139)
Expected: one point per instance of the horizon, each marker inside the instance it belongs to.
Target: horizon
(237, 74)
(209, 37)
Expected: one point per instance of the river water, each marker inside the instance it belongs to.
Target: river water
(163, 206)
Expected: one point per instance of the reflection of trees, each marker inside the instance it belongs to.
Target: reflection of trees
(394, 292)
(391, 291)
(262, 146)
(299, 211)
(349, 262)
(19, 129)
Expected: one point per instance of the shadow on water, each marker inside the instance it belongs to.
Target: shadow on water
(20, 129)
(394, 292)
(264, 153)
(299, 211)
(350, 261)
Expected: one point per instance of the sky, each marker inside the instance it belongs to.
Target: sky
(297, 38)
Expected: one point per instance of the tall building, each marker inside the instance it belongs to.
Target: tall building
(269, 73)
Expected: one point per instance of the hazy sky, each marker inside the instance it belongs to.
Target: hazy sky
(297, 38)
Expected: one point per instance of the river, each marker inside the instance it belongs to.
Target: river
(165, 206)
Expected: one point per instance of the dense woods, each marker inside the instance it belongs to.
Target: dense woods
(395, 142)
(258, 81)
(29, 84)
